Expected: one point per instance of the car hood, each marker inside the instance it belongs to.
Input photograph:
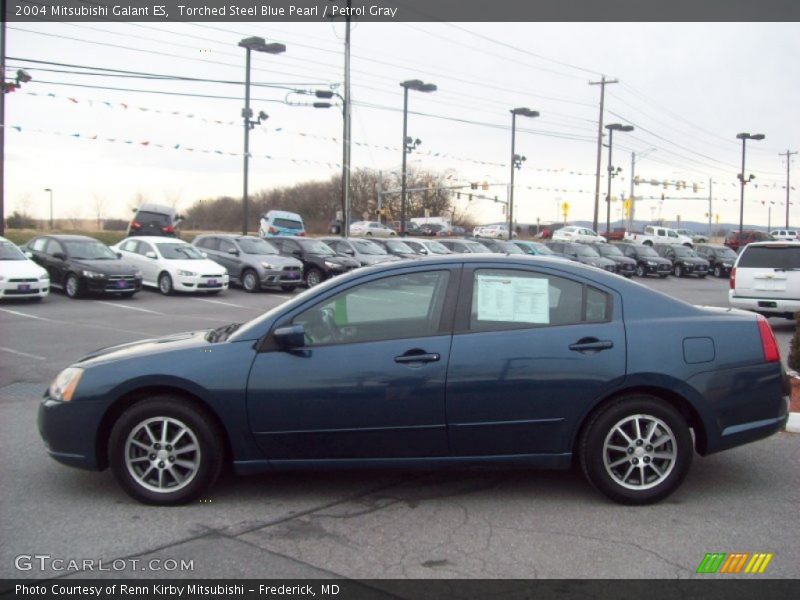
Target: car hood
(621, 260)
(340, 260)
(107, 267)
(694, 260)
(374, 259)
(149, 347)
(21, 269)
(201, 266)
(275, 259)
(656, 259)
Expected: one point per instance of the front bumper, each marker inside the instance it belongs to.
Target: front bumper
(657, 269)
(200, 283)
(116, 284)
(285, 276)
(24, 288)
(69, 431)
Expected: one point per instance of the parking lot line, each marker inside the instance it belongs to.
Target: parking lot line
(25, 354)
(152, 312)
(220, 302)
(22, 314)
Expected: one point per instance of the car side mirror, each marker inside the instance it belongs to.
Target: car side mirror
(59, 256)
(150, 254)
(28, 254)
(297, 253)
(205, 254)
(349, 252)
(233, 251)
(118, 253)
(289, 337)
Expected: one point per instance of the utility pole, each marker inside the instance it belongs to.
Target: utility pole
(602, 83)
(632, 209)
(788, 156)
(346, 161)
(710, 229)
(2, 117)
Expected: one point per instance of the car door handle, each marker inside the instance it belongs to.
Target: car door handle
(591, 345)
(417, 356)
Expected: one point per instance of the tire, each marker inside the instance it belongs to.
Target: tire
(288, 288)
(250, 281)
(148, 429)
(72, 286)
(678, 270)
(165, 284)
(368, 234)
(648, 243)
(640, 271)
(718, 272)
(628, 469)
(314, 277)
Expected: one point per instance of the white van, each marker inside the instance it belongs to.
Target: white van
(766, 279)
(281, 222)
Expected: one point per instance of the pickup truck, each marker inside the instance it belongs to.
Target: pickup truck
(617, 234)
(654, 234)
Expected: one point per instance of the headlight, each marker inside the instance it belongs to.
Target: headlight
(42, 276)
(92, 274)
(332, 265)
(266, 265)
(65, 384)
(183, 273)
(651, 263)
(137, 273)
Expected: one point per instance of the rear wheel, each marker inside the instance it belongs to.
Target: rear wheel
(72, 286)
(250, 281)
(678, 271)
(718, 272)
(636, 450)
(164, 450)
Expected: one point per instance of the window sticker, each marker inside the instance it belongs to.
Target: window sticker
(512, 299)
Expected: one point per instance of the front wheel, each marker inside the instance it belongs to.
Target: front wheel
(636, 450)
(314, 277)
(640, 271)
(718, 272)
(72, 286)
(165, 284)
(250, 281)
(166, 451)
(678, 271)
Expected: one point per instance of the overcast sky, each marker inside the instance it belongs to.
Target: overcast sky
(687, 88)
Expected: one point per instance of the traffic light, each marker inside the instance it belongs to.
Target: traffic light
(636, 180)
(458, 195)
(665, 184)
(694, 188)
(473, 186)
(485, 186)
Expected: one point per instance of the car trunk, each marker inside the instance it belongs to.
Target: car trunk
(769, 272)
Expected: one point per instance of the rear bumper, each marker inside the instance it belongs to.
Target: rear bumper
(764, 305)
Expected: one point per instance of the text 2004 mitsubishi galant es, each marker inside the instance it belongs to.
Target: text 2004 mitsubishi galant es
(446, 362)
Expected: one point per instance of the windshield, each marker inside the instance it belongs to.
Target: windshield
(399, 247)
(609, 250)
(437, 248)
(89, 250)
(9, 251)
(684, 252)
(646, 251)
(316, 247)
(367, 247)
(179, 252)
(476, 247)
(587, 251)
(256, 246)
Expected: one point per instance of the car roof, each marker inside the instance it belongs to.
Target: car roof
(155, 238)
(65, 237)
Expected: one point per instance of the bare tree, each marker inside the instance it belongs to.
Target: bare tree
(98, 208)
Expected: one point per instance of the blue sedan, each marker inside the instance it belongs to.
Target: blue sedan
(443, 362)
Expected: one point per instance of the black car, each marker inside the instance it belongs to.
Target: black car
(154, 219)
(685, 261)
(496, 246)
(648, 262)
(465, 246)
(625, 266)
(583, 253)
(79, 265)
(720, 258)
(319, 260)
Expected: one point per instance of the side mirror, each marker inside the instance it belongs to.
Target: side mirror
(28, 254)
(118, 253)
(297, 253)
(233, 251)
(205, 255)
(349, 251)
(59, 256)
(150, 254)
(289, 337)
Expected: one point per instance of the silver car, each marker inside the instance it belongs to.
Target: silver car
(251, 261)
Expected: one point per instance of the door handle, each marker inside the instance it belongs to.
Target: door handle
(591, 345)
(417, 357)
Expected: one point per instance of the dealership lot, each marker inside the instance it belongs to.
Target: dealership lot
(502, 523)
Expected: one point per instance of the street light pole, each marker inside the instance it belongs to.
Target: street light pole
(51, 207)
(411, 84)
(611, 129)
(788, 154)
(744, 137)
(259, 45)
(516, 162)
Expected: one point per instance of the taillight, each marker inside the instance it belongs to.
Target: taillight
(168, 229)
(732, 281)
(272, 229)
(768, 343)
(302, 233)
(135, 225)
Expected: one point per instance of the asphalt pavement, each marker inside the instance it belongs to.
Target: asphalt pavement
(365, 524)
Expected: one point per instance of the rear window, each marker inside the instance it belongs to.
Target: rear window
(287, 223)
(152, 218)
(770, 257)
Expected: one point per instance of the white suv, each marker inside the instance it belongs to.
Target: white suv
(572, 233)
(785, 235)
(766, 279)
